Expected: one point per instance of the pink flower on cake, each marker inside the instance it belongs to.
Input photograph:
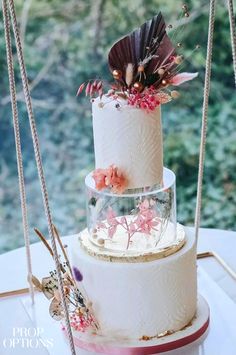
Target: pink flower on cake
(149, 99)
(143, 206)
(116, 180)
(146, 220)
(81, 322)
(99, 176)
(111, 177)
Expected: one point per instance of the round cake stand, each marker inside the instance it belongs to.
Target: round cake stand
(189, 334)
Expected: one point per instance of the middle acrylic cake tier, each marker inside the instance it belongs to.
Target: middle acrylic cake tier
(136, 222)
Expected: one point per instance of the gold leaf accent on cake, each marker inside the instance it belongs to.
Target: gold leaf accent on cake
(167, 332)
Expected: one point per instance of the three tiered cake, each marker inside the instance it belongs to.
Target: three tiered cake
(134, 263)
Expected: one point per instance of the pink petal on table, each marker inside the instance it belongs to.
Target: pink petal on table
(182, 77)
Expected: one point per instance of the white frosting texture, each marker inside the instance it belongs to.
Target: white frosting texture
(131, 139)
(131, 300)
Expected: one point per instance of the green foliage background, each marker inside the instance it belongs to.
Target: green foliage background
(65, 43)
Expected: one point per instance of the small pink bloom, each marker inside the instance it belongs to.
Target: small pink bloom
(146, 100)
(162, 97)
(111, 177)
(111, 217)
(81, 322)
(144, 205)
(146, 218)
(99, 176)
(132, 227)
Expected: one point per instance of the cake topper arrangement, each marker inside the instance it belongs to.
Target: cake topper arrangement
(145, 64)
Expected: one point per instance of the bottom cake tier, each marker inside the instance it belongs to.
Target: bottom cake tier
(195, 332)
(139, 300)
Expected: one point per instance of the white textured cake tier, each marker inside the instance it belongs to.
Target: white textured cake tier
(132, 300)
(131, 139)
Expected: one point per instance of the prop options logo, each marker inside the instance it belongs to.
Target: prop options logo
(27, 338)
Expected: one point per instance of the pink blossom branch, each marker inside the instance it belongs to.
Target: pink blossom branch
(128, 232)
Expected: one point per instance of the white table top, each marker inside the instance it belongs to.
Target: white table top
(223, 308)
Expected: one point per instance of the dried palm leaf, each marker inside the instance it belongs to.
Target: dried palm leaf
(43, 239)
(37, 284)
(62, 248)
(147, 47)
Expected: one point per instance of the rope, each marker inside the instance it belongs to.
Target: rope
(233, 34)
(12, 86)
(40, 168)
(204, 116)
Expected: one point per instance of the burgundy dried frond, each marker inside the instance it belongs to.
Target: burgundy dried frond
(100, 92)
(147, 46)
(87, 90)
(80, 89)
(99, 85)
(93, 88)
(96, 88)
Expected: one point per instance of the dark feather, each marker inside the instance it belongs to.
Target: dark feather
(148, 41)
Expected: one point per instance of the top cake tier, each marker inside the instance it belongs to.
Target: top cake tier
(145, 65)
(130, 139)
